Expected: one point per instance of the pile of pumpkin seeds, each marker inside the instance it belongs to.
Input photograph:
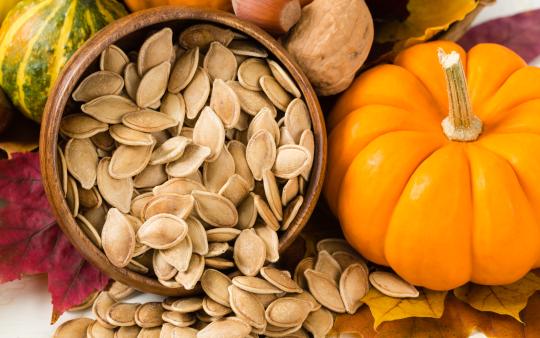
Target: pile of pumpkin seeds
(187, 157)
(271, 304)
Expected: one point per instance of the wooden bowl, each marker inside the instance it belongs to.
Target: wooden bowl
(128, 33)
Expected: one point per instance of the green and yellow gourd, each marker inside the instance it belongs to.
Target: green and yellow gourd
(36, 40)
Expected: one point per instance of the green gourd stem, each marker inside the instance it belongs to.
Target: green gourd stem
(461, 124)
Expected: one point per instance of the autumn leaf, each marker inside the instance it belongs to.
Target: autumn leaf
(505, 300)
(31, 242)
(384, 308)
(458, 320)
(518, 32)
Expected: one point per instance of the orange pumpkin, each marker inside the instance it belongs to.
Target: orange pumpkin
(444, 191)
(137, 5)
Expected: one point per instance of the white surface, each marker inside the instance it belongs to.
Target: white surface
(25, 307)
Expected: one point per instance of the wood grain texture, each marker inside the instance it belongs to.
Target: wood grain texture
(128, 33)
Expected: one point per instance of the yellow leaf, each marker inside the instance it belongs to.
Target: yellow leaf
(22, 135)
(383, 308)
(504, 300)
(427, 18)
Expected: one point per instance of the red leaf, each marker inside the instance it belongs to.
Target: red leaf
(519, 32)
(31, 242)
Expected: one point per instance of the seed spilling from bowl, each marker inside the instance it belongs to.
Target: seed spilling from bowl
(189, 158)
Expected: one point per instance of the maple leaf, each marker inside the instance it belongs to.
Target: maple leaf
(504, 299)
(31, 242)
(518, 32)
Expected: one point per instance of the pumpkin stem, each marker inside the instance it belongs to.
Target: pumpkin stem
(461, 124)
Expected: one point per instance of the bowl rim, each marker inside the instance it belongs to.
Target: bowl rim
(72, 73)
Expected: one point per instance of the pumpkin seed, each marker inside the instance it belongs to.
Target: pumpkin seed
(247, 307)
(170, 150)
(307, 141)
(73, 328)
(220, 62)
(219, 263)
(213, 308)
(216, 173)
(173, 204)
(117, 193)
(187, 305)
(81, 161)
(392, 285)
(308, 297)
(203, 35)
(297, 119)
(325, 290)
(162, 231)
(127, 332)
(109, 108)
(101, 305)
(334, 244)
(137, 267)
(290, 191)
(184, 70)
(62, 169)
(215, 284)
(345, 259)
(287, 312)
(122, 314)
(285, 137)
(89, 198)
(283, 78)
(98, 84)
(180, 186)
(151, 176)
(96, 216)
(273, 90)
(222, 234)
(241, 167)
(172, 284)
(128, 161)
(230, 327)
(272, 194)
(153, 332)
(139, 202)
(113, 59)
(225, 103)
(118, 238)
(160, 136)
(72, 197)
(197, 234)
(217, 249)
(128, 136)
(264, 121)
(209, 132)
(319, 323)
(162, 269)
(89, 230)
(261, 153)
(235, 189)
(193, 274)
(215, 209)
(155, 50)
(153, 84)
(303, 265)
(168, 330)
(148, 121)
(148, 315)
(251, 101)
(178, 319)
(97, 330)
(174, 106)
(119, 290)
(249, 252)
(255, 285)
(247, 213)
(271, 242)
(280, 279)
(196, 93)
(291, 161)
(81, 126)
(179, 255)
(265, 212)
(247, 48)
(194, 155)
(353, 286)
(250, 71)
(131, 80)
(328, 265)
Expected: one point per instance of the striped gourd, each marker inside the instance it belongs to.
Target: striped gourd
(36, 40)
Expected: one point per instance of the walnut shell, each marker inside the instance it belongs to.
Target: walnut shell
(331, 42)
